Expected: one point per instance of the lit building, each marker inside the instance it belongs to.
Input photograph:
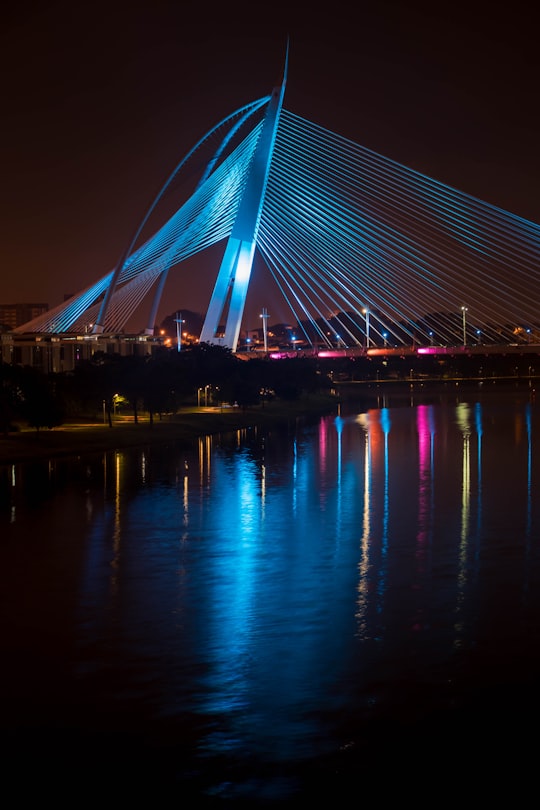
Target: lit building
(59, 353)
(13, 315)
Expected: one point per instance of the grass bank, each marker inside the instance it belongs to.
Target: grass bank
(78, 437)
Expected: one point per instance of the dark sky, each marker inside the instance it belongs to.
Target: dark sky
(101, 100)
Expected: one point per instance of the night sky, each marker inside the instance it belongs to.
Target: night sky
(101, 100)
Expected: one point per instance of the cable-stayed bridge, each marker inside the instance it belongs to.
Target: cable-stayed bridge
(360, 248)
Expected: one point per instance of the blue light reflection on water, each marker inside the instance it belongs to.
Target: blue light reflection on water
(267, 599)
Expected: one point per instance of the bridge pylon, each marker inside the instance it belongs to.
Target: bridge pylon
(231, 286)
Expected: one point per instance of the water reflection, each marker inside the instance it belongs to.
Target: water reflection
(259, 613)
(426, 430)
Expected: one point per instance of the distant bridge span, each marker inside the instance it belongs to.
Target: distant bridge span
(408, 351)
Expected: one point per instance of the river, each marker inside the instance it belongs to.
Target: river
(345, 609)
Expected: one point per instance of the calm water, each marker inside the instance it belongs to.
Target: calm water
(340, 610)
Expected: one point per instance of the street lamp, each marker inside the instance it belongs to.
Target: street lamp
(199, 390)
(385, 338)
(366, 313)
(179, 323)
(264, 317)
(463, 312)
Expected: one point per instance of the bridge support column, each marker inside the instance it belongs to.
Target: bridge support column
(232, 282)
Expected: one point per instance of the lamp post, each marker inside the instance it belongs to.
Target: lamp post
(264, 317)
(179, 323)
(463, 312)
(366, 313)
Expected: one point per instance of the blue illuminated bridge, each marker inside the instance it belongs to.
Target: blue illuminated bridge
(363, 251)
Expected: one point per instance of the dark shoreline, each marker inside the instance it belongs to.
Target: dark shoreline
(78, 437)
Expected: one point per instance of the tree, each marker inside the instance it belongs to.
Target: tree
(11, 404)
(41, 407)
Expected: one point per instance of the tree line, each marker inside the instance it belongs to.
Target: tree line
(160, 383)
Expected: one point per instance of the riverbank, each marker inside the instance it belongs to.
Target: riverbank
(78, 437)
